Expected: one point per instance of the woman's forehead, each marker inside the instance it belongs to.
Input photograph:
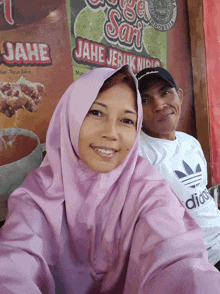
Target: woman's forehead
(117, 95)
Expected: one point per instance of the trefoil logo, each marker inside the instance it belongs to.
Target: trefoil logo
(191, 179)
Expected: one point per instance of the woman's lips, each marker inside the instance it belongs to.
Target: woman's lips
(105, 151)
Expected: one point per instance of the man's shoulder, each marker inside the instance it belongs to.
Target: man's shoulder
(184, 136)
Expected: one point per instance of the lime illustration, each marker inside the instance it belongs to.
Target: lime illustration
(155, 43)
(89, 24)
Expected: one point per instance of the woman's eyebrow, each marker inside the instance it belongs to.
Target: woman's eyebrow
(104, 105)
(129, 111)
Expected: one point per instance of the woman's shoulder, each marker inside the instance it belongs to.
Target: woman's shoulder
(148, 187)
(146, 170)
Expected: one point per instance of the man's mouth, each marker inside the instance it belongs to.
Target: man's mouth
(165, 114)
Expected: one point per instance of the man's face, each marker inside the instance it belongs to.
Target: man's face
(161, 109)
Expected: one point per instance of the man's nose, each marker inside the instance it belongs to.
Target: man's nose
(158, 104)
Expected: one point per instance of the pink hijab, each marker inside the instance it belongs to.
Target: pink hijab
(93, 201)
(129, 211)
(86, 193)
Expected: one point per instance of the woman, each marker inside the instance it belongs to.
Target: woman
(96, 217)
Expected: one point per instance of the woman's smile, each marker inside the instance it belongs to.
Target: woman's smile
(104, 151)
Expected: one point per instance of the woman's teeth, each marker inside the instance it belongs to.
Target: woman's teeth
(104, 151)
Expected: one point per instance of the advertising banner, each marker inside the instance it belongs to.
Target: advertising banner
(111, 33)
(211, 11)
(35, 70)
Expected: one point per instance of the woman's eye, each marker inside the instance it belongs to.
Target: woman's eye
(95, 112)
(128, 121)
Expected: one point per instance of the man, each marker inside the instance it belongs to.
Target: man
(177, 155)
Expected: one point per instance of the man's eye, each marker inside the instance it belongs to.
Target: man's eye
(128, 121)
(165, 93)
(145, 100)
(95, 112)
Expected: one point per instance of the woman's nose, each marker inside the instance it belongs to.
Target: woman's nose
(110, 130)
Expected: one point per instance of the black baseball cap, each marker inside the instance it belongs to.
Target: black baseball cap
(147, 74)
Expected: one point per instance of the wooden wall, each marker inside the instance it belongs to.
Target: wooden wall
(195, 10)
(187, 63)
(179, 65)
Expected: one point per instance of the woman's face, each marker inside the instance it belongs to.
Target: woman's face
(108, 131)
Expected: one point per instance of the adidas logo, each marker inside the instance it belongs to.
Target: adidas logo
(197, 200)
(191, 179)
